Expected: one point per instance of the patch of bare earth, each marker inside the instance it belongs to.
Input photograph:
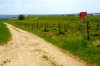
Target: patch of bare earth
(26, 49)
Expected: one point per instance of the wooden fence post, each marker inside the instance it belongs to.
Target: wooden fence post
(37, 25)
(54, 26)
(59, 26)
(32, 25)
(88, 37)
(45, 26)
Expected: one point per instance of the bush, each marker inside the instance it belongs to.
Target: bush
(21, 17)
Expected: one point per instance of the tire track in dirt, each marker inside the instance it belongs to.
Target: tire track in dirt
(26, 49)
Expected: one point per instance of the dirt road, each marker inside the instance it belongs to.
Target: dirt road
(26, 49)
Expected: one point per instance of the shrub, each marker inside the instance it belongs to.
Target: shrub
(21, 17)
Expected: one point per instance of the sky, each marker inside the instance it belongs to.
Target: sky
(48, 6)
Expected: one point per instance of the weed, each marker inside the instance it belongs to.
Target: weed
(45, 57)
(4, 62)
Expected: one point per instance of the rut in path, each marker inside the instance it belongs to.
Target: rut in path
(26, 49)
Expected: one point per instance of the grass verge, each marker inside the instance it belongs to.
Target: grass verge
(4, 34)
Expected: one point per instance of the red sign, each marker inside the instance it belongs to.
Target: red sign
(82, 14)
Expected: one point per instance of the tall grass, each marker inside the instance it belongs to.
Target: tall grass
(84, 49)
(4, 33)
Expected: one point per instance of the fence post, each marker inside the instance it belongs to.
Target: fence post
(32, 25)
(37, 25)
(59, 28)
(45, 27)
(41, 24)
(88, 37)
(54, 26)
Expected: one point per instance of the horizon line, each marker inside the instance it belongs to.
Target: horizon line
(46, 14)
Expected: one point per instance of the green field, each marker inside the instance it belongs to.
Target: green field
(4, 34)
(65, 32)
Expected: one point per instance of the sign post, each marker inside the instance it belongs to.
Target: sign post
(81, 17)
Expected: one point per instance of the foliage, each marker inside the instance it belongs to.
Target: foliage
(21, 17)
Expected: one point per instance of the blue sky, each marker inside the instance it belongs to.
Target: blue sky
(48, 6)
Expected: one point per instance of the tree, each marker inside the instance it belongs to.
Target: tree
(21, 17)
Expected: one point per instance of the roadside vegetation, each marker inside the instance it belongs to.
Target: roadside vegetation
(65, 32)
(4, 34)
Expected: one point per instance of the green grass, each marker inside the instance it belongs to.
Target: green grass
(83, 49)
(4, 33)
(70, 40)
